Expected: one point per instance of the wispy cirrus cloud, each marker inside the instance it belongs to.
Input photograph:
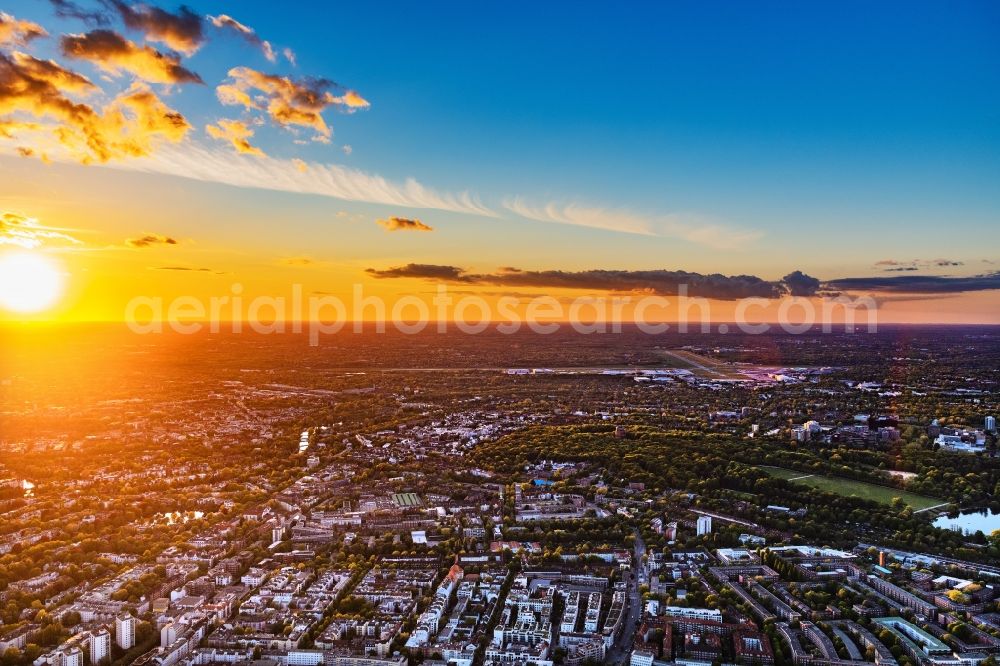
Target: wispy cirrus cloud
(621, 220)
(196, 161)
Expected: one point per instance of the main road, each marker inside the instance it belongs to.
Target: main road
(622, 646)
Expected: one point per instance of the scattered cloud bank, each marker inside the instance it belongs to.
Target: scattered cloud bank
(662, 282)
(22, 231)
(287, 101)
(669, 283)
(403, 224)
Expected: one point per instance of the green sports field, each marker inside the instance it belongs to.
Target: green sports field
(849, 487)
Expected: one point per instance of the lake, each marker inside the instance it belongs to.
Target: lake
(970, 522)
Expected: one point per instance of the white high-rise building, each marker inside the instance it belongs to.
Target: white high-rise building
(100, 646)
(125, 631)
(991, 424)
(704, 525)
(72, 657)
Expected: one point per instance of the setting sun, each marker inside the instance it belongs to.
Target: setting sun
(28, 282)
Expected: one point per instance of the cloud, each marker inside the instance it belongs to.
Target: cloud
(624, 221)
(237, 133)
(199, 162)
(181, 31)
(150, 240)
(661, 282)
(26, 232)
(186, 269)
(896, 266)
(715, 286)
(347, 149)
(18, 31)
(51, 72)
(224, 21)
(129, 126)
(113, 53)
(919, 284)
(800, 284)
(424, 271)
(286, 101)
(290, 57)
(70, 9)
(403, 224)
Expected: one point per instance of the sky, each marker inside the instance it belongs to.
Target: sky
(169, 151)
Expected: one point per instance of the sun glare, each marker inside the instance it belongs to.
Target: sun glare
(28, 282)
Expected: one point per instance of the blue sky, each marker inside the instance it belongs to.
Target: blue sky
(822, 136)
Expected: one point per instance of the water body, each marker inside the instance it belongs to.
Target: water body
(971, 522)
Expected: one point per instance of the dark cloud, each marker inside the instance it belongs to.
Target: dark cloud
(800, 284)
(149, 240)
(919, 284)
(715, 286)
(654, 281)
(916, 264)
(182, 31)
(403, 224)
(113, 53)
(425, 271)
(70, 9)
